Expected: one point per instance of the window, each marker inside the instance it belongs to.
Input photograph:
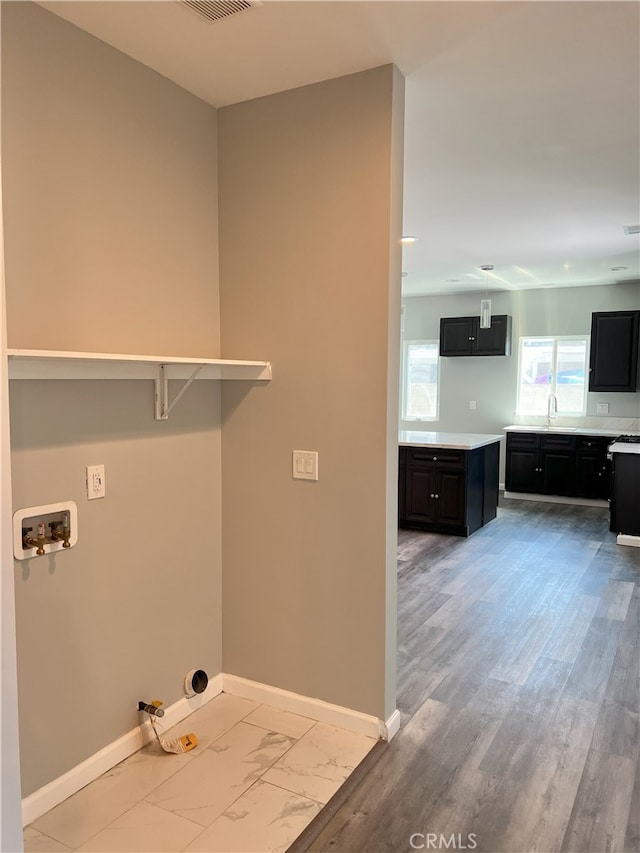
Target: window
(420, 373)
(553, 366)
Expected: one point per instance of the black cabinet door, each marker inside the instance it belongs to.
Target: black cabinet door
(456, 335)
(463, 336)
(450, 497)
(420, 491)
(522, 470)
(613, 358)
(625, 499)
(592, 474)
(496, 340)
(558, 472)
(402, 483)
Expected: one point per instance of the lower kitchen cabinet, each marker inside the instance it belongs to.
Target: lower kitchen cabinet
(557, 464)
(625, 500)
(448, 491)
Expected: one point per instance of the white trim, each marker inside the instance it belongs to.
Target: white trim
(392, 726)
(50, 795)
(315, 709)
(628, 539)
(556, 499)
(11, 830)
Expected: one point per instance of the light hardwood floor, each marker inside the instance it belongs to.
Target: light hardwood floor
(518, 687)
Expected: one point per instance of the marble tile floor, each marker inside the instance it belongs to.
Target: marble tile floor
(256, 779)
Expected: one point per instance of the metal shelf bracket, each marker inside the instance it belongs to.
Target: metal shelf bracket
(163, 407)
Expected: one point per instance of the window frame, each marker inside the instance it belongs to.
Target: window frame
(555, 339)
(404, 378)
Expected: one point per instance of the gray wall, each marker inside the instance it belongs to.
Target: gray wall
(111, 244)
(309, 213)
(492, 381)
(10, 816)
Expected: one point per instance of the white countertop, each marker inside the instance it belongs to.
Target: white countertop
(623, 447)
(452, 440)
(612, 433)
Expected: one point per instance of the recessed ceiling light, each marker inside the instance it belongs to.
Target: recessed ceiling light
(617, 269)
(408, 239)
(631, 229)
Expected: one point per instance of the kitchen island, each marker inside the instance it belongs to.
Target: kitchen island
(448, 482)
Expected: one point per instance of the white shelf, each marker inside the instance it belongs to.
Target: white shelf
(54, 364)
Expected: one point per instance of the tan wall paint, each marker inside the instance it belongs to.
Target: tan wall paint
(111, 234)
(10, 816)
(136, 603)
(308, 211)
(110, 208)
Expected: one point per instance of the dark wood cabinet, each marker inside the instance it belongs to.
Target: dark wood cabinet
(593, 469)
(613, 357)
(448, 491)
(557, 464)
(461, 336)
(625, 500)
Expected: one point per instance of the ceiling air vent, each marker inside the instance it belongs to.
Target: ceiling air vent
(215, 10)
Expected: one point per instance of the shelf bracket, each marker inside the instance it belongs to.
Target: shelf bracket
(163, 407)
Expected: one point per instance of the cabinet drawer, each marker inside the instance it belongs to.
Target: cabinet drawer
(435, 456)
(522, 439)
(596, 443)
(558, 441)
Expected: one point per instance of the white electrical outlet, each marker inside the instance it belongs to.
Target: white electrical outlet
(602, 408)
(305, 464)
(472, 404)
(96, 484)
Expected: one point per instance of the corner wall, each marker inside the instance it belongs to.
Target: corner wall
(310, 209)
(111, 245)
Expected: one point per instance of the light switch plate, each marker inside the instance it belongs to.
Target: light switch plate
(305, 464)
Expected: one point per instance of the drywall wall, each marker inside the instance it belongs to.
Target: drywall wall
(111, 244)
(10, 816)
(492, 381)
(309, 210)
(110, 237)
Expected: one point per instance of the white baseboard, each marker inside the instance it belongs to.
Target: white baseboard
(628, 539)
(393, 725)
(50, 795)
(556, 499)
(315, 709)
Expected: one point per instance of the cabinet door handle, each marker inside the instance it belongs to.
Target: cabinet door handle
(436, 496)
(435, 458)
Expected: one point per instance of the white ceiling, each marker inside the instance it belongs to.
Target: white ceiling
(522, 118)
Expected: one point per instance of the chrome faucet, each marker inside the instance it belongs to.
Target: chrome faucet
(552, 408)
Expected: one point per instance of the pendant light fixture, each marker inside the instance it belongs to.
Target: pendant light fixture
(485, 304)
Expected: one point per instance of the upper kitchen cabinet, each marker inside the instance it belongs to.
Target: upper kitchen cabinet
(613, 362)
(463, 336)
